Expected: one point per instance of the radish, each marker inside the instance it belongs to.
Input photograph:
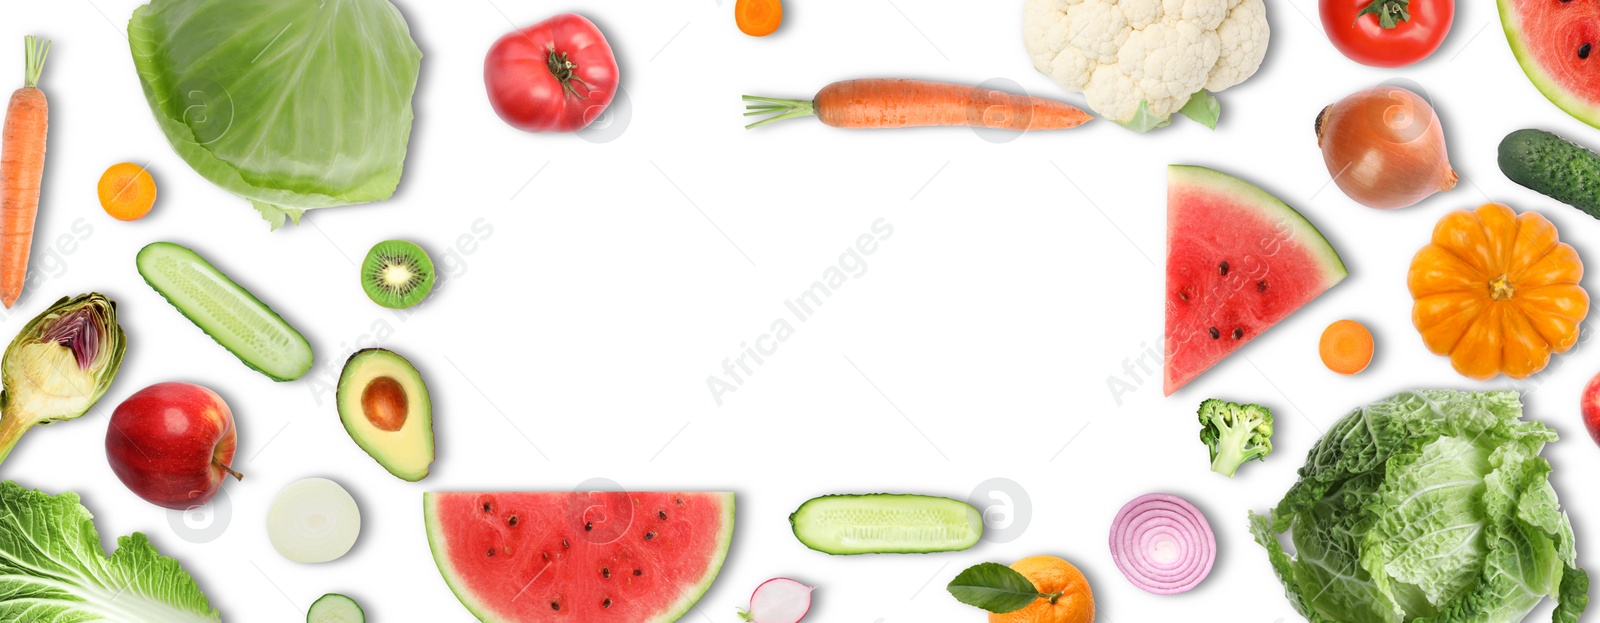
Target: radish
(778, 600)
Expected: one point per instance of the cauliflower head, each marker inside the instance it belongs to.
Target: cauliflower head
(1145, 58)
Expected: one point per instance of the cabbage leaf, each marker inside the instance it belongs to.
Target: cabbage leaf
(291, 104)
(1428, 506)
(52, 569)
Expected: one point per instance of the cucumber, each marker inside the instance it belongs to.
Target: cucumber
(1554, 166)
(228, 313)
(335, 608)
(883, 523)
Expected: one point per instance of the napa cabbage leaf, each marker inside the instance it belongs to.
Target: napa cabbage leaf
(1428, 506)
(53, 570)
(291, 104)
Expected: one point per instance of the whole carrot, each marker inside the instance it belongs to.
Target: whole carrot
(897, 103)
(22, 170)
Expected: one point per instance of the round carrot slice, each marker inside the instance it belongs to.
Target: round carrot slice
(1346, 347)
(127, 191)
(758, 18)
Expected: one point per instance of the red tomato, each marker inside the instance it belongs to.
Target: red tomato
(555, 76)
(1365, 40)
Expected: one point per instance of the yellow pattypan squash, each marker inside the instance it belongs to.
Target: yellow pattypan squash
(1497, 291)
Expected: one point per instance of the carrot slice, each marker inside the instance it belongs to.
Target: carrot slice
(758, 18)
(127, 191)
(1346, 347)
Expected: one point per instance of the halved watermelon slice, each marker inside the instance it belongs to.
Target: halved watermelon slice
(1558, 44)
(576, 557)
(1238, 261)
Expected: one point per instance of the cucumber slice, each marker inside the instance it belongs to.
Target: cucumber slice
(228, 313)
(335, 608)
(886, 524)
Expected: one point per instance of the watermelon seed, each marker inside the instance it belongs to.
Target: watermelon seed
(588, 527)
(1215, 333)
(606, 603)
(1261, 286)
(638, 572)
(679, 501)
(605, 572)
(1183, 296)
(662, 515)
(512, 520)
(1238, 332)
(488, 506)
(564, 544)
(1583, 51)
(491, 552)
(546, 556)
(555, 605)
(1223, 268)
(649, 536)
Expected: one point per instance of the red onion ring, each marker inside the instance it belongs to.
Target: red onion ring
(1162, 544)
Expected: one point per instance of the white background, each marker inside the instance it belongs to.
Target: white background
(573, 341)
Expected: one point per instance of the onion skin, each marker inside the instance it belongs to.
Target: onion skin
(1162, 544)
(1384, 147)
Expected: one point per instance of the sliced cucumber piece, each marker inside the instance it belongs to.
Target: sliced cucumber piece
(886, 524)
(227, 312)
(335, 608)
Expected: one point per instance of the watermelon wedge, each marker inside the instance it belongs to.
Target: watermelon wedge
(1238, 262)
(1558, 44)
(578, 557)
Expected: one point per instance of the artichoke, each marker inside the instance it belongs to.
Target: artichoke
(59, 365)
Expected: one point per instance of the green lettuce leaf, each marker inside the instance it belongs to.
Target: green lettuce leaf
(291, 104)
(52, 569)
(1426, 507)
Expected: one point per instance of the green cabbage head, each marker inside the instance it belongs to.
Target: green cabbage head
(1428, 506)
(291, 104)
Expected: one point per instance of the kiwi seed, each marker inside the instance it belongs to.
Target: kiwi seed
(397, 274)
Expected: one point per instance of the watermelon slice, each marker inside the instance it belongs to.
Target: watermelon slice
(575, 557)
(1238, 261)
(1558, 44)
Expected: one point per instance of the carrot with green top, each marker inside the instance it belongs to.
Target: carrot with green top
(897, 103)
(22, 171)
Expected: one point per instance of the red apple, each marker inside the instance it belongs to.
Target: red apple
(171, 443)
(1591, 407)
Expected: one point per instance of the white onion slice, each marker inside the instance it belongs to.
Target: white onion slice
(1162, 544)
(313, 520)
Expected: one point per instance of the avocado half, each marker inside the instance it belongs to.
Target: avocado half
(385, 407)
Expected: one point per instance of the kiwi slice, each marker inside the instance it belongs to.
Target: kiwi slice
(397, 274)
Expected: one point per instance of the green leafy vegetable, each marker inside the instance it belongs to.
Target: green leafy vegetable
(995, 587)
(53, 569)
(291, 104)
(1430, 505)
(1235, 433)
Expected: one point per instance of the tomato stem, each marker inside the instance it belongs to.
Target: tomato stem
(562, 68)
(1390, 12)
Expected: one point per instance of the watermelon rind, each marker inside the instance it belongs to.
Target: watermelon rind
(1302, 231)
(1580, 109)
(691, 594)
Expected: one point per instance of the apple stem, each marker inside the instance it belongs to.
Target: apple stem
(236, 475)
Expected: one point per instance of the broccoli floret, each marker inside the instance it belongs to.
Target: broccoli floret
(1235, 433)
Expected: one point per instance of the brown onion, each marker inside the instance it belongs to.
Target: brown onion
(1385, 148)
